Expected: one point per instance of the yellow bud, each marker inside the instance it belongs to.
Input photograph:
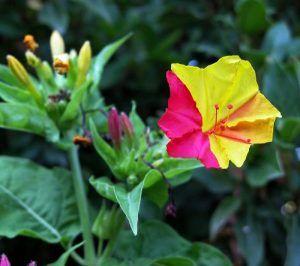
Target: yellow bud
(61, 63)
(30, 42)
(21, 74)
(32, 59)
(18, 70)
(84, 62)
(57, 44)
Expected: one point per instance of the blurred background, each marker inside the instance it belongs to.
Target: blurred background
(263, 227)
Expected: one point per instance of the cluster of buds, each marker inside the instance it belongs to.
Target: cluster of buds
(5, 262)
(118, 124)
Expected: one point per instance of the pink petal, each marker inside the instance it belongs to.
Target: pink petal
(182, 115)
(193, 145)
(4, 260)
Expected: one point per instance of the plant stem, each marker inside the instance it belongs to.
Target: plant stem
(82, 203)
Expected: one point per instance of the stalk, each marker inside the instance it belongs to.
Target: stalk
(82, 204)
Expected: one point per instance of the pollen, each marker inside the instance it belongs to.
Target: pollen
(82, 140)
(30, 42)
(61, 64)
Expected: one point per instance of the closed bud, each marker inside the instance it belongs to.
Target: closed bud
(30, 42)
(57, 44)
(47, 71)
(127, 126)
(32, 59)
(61, 63)
(21, 74)
(114, 127)
(289, 208)
(84, 62)
(32, 263)
(18, 70)
(4, 260)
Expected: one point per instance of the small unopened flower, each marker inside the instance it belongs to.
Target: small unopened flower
(32, 263)
(4, 260)
(30, 42)
(57, 44)
(114, 127)
(84, 62)
(61, 63)
(171, 210)
(126, 125)
(84, 141)
(32, 59)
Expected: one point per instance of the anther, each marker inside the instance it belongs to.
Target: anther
(217, 107)
(248, 140)
(222, 127)
(230, 106)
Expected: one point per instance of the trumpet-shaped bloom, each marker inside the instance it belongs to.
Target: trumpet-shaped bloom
(215, 113)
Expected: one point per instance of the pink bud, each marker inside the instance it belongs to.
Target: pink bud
(114, 127)
(32, 263)
(4, 260)
(126, 125)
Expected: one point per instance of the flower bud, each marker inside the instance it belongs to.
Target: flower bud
(47, 71)
(61, 63)
(114, 127)
(4, 260)
(32, 59)
(57, 44)
(32, 263)
(21, 74)
(30, 43)
(84, 62)
(127, 126)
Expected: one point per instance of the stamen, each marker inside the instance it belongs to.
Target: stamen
(248, 140)
(216, 117)
(230, 106)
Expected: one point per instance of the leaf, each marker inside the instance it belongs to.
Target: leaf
(26, 118)
(12, 94)
(276, 40)
(137, 122)
(250, 237)
(158, 242)
(102, 147)
(7, 76)
(103, 57)
(223, 212)
(289, 129)
(281, 87)
(265, 168)
(251, 15)
(130, 204)
(158, 193)
(73, 106)
(293, 242)
(64, 257)
(36, 202)
(104, 187)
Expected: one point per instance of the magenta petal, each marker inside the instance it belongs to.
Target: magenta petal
(4, 260)
(182, 115)
(193, 145)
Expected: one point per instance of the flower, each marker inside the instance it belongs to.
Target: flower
(61, 63)
(4, 260)
(216, 113)
(30, 42)
(114, 127)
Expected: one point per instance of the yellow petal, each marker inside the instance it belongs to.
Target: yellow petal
(219, 151)
(235, 151)
(257, 108)
(228, 81)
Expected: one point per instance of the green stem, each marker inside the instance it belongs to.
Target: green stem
(82, 203)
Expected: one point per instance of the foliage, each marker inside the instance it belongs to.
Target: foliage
(251, 214)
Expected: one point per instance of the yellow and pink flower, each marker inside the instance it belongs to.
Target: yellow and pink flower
(216, 113)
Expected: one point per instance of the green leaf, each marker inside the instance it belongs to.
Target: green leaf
(137, 122)
(106, 152)
(289, 129)
(130, 204)
(104, 187)
(251, 15)
(158, 193)
(103, 57)
(73, 106)
(266, 167)
(7, 76)
(293, 242)
(65, 256)
(281, 86)
(36, 202)
(250, 237)
(276, 40)
(173, 261)
(12, 94)
(26, 118)
(160, 243)
(223, 212)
